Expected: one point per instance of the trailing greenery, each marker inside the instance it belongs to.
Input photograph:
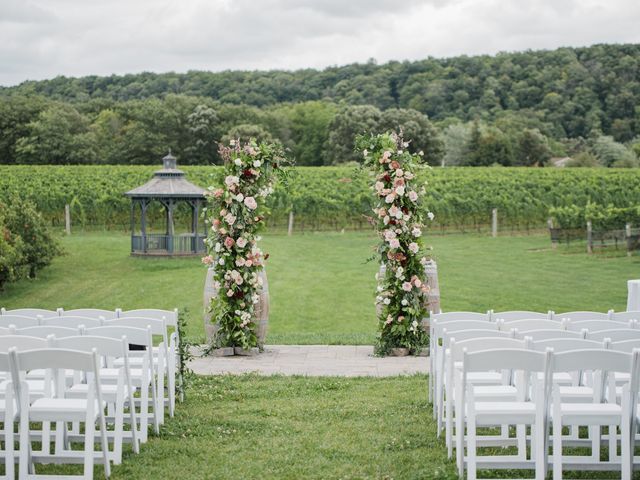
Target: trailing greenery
(26, 244)
(508, 109)
(334, 197)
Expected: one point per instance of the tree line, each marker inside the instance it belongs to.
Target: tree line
(508, 109)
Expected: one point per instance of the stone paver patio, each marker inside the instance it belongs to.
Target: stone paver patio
(313, 360)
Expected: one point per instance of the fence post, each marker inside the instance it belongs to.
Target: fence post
(290, 229)
(554, 243)
(589, 237)
(627, 234)
(67, 219)
(494, 222)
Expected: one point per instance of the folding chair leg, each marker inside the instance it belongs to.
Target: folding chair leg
(557, 446)
(471, 450)
(9, 465)
(89, 438)
(594, 432)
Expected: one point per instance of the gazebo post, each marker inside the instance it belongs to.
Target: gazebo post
(133, 213)
(143, 224)
(195, 208)
(170, 226)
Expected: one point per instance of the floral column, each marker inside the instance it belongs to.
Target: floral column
(235, 215)
(399, 221)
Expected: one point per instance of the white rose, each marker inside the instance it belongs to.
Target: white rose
(238, 162)
(257, 163)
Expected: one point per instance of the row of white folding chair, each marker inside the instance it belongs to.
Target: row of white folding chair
(70, 321)
(534, 411)
(472, 329)
(493, 383)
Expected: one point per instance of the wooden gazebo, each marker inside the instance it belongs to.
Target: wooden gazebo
(169, 187)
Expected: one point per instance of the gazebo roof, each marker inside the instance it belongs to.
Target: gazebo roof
(169, 182)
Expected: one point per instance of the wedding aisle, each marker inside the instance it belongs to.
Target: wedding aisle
(313, 360)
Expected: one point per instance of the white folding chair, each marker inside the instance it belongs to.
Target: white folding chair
(8, 416)
(438, 329)
(595, 325)
(115, 395)
(158, 328)
(61, 409)
(615, 334)
(19, 321)
(520, 315)
(170, 317)
(546, 334)
(44, 331)
(96, 313)
(531, 324)
(582, 315)
(72, 322)
(142, 375)
(602, 411)
(30, 312)
(486, 384)
(444, 318)
(625, 316)
(528, 409)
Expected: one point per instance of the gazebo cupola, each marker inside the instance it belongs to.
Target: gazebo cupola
(169, 188)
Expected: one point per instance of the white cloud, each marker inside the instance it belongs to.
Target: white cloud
(44, 38)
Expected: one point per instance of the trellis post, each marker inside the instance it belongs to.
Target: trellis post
(494, 222)
(67, 219)
(589, 237)
(290, 228)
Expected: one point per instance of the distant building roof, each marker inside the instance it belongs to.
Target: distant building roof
(169, 182)
(559, 161)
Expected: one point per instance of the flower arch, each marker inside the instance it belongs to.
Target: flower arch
(400, 217)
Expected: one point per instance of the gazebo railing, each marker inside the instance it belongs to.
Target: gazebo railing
(163, 244)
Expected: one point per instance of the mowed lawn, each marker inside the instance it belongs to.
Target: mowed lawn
(322, 288)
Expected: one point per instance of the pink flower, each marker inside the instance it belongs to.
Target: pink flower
(416, 281)
(208, 260)
(390, 198)
(230, 218)
(413, 196)
(395, 243)
(215, 224)
(406, 286)
(218, 193)
(400, 319)
(231, 180)
(395, 165)
(242, 242)
(229, 293)
(413, 247)
(240, 261)
(251, 203)
(229, 242)
(249, 262)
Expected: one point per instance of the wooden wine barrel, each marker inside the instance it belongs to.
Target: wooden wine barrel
(432, 303)
(261, 314)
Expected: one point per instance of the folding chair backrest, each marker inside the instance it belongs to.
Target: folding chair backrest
(625, 316)
(531, 324)
(457, 316)
(461, 335)
(18, 320)
(566, 344)
(72, 322)
(169, 316)
(458, 325)
(578, 316)
(44, 331)
(614, 334)
(480, 344)
(625, 345)
(104, 346)
(56, 358)
(158, 327)
(31, 312)
(5, 331)
(548, 334)
(135, 335)
(96, 313)
(505, 358)
(595, 325)
(5, 365)
(22, 342)
(593, 359)
(520, 315)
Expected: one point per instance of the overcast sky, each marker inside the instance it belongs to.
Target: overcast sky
(44, 38)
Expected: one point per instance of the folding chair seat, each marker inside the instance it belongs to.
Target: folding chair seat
(601, 411)
(142, 377)
(115, 395)
(60, 409)
(528, 409)
(501, 389)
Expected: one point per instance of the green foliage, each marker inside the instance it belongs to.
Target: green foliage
(602, 217)
(26, 244)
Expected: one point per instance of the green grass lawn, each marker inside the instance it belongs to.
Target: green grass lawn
(252, 427)
(322, 289)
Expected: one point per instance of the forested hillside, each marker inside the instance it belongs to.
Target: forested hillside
(510, 109)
